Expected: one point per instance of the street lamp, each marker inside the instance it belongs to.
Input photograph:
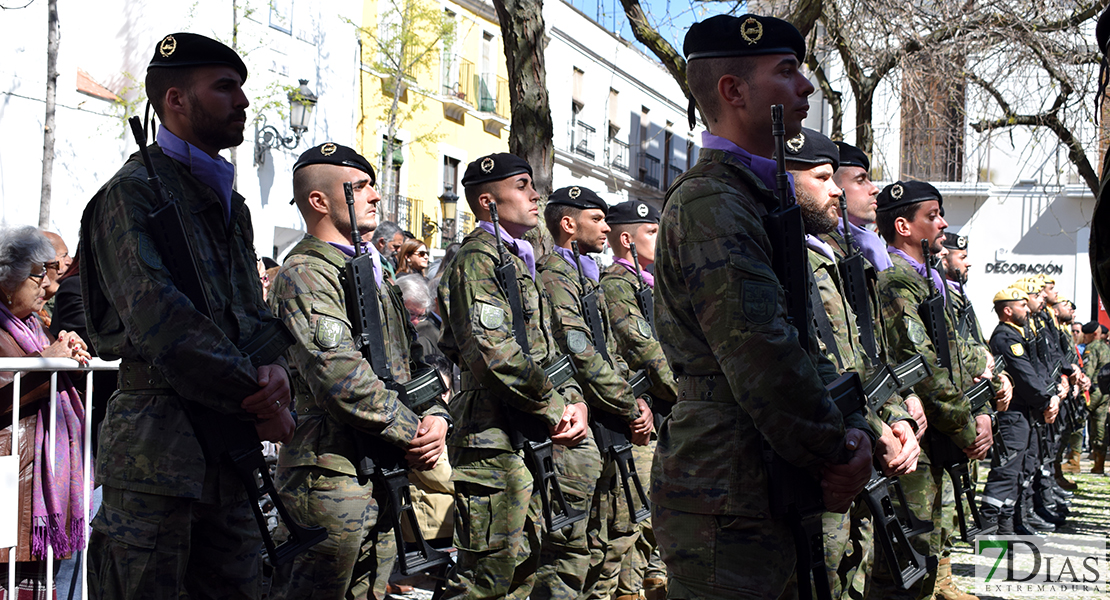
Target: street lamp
(449, 201)
(301, 102)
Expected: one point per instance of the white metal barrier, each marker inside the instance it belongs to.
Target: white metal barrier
(9, 465)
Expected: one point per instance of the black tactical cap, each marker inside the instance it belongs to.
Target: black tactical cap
(746, 35)
(331, 153)
(812, 148)
(192, 50)
(904, 193)
(850, 156)
(578, 197)
(954, 241)
(1090, 327)
(632, 211)
(495, 167)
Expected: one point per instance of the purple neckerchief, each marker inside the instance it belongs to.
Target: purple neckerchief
(955, 286)
(216, 173)
(521, 248)
(648, 277)
(763, 168)
(376, 258)
(870, 245)
(820, 246)
(589, 265)
(938, 281)
(58, 508)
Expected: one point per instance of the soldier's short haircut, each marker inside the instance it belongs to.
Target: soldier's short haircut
(553, 213)
(703, 74)
(20, 248)
(615, 231)
(473, 191)
(159, 81)
(312, 178)
(884, 219)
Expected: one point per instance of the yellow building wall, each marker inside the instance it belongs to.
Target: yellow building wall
(454, 123)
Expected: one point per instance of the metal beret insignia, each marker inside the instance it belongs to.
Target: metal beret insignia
(328, 149)
(576, 342)
(487, 165)
(896, 191)
(642, 210)
(1017, 349)
(574, 192)
(751, 30)
(961, 242)
(328, 332)
(794, 145)
(168, 46)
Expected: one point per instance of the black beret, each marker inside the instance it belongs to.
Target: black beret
(904, 193)
(632, 211)
(812, 148)
(955, 241)
(495, 167)
(331, 153)
(578, 197)
(1102, 30)
(746, 35)
(850, 156)
(1090, 327)
(192, 50)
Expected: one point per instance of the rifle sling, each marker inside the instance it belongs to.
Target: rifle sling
(824, 326)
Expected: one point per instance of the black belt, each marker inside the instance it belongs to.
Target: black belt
(135, 376)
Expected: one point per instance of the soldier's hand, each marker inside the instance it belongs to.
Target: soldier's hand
(983, 438)
(1052, 411)
(906, 462)
(642, 425)
(1004, 395)
(887, 447)
(278, 428)
(273, 396)
(571, 430)
(840, 484)
(913, 405)
(1084, 382)
(428, 443)
(1062, 387)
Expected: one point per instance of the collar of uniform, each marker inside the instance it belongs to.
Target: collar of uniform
(818, 245)
(375, 256)
(870, 245)
(216, 173)
(938, 280)
(589, 265)
(1020, 330)
(763, 168)
(521, 248)
(649, 279)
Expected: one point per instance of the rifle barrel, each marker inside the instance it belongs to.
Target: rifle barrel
(356, 239)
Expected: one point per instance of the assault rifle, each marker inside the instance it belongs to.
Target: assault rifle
(966, 323)
(613, 435)
(527, 432)
(931, 311)
(376, 457)
(853, 272)
(223, 437)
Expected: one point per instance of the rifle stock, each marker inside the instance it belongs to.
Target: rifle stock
(644, 298)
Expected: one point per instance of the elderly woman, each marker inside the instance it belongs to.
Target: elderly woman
(412, 258)
(52, 506)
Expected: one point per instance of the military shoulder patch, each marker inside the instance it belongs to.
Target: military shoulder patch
(1017, 349)
(329, 331)
(645, 329)
(491, 317)
(759, 301)
(577, 341)
(916, 331)
(148, 252)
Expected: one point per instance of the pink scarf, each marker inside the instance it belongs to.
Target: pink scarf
(58, 489)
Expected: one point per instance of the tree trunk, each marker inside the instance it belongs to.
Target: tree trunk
(865, 134)
(52, 38)
(531, 133)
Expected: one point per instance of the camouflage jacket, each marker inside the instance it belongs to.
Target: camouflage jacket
(901, 290)
(742, 375)
(1095, 356)
(842, 320)
(603, 383)
(973, 352)
(134, 311)
(636, 343)
(478, 336)
(336, 390)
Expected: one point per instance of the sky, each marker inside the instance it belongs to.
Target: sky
(671, 17)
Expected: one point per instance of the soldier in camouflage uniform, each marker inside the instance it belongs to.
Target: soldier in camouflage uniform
(1064, 310)
(577, 214)
(909, 212)
(498, 520)
(1095, 356)
(636, 222)
(743, 377)
(339, 397)
(173, 523)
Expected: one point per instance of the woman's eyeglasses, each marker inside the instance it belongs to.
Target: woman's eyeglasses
(421, 253)
(40, 273)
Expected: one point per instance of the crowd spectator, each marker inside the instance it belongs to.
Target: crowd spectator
(413, 258)
(420, 302)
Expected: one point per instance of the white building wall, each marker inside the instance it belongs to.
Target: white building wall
(113, 40)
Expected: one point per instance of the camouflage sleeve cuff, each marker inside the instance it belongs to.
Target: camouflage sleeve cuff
(966, 436)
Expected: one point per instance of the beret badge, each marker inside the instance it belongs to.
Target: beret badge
(642, 210)
(896, 191)
(487, 165)
(168, 46)
(751, 30)
(574, 192)
(794, 145)
(328, 149)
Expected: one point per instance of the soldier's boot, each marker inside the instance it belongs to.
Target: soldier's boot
(945, 588)
(655, 588)
(1072, 464)
(1063, 482)
(1005, 525)
(1100, 462)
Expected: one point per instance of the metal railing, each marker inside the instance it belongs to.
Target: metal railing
(617, 154)
(455, 83)
(582, 139)
(491, 94)
(53, 365)
(396, 208)
(649, 170)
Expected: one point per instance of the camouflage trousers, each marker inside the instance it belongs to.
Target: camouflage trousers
(643, 561)
(1096, 422)
(612, 534)
(146, 546)
(497, 525)
(924, 494)
(357, 557)
(725, 557)
(566, 555)
(849, 550)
